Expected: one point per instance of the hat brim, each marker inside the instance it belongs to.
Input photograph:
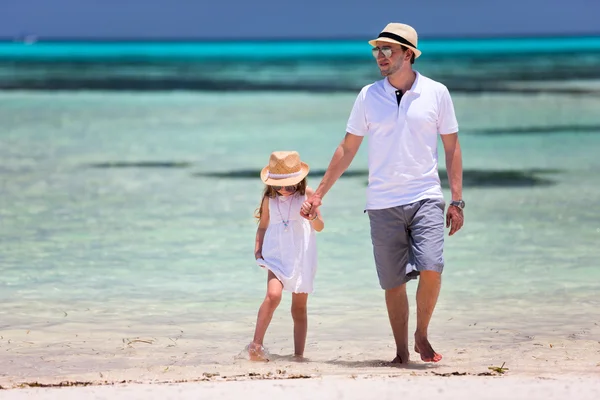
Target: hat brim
(388, 40)
(264, 176)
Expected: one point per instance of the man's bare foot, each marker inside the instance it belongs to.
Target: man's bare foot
(423, 347)
(401, 359)
(257, 352)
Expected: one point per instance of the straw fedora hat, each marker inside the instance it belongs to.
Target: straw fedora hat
(285, 168)
(400, 34)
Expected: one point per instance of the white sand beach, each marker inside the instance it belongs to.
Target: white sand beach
(343, 388)
(151, 368)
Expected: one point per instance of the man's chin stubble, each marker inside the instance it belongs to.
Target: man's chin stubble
(388, 72)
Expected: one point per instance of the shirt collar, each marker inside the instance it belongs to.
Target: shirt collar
(416, 87)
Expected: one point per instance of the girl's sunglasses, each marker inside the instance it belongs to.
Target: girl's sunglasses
(292, 188)
(385, 50)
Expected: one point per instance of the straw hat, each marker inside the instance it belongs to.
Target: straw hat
(284, 169)
(400, 34)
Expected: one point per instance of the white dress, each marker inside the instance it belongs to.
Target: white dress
(290, 252)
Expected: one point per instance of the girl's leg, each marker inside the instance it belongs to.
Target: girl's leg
(265, 314)
(299, 315)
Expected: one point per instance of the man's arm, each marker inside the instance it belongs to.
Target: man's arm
(342, 157)
(453, 164)
(454, 215)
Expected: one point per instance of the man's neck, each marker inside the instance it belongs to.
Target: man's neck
(403, 80)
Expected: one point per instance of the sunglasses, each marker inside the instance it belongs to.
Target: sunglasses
(385, 50)
(287, 188)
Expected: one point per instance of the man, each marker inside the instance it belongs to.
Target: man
(402, 116)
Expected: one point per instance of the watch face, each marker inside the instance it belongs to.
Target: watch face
(460, 204)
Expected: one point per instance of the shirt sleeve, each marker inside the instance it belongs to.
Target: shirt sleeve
(357, 122)
(446, 122)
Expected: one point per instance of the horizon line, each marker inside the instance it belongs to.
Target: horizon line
(39, 38)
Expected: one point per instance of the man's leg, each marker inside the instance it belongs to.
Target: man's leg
(390, 248)
(397, 308)
(427, 295)
(427, 245)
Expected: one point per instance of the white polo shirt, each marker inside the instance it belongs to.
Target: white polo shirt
(403, 159)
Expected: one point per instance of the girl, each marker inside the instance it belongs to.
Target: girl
(285, 246)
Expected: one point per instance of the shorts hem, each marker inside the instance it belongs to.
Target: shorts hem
(436, 267)
(414, 274)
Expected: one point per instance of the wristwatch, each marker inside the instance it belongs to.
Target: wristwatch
(458, 203)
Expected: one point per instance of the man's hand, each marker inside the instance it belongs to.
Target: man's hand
(454, 219)
(310, 206)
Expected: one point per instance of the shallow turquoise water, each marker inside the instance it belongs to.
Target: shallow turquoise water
(285, 49)
(128, 213)
(154, 244)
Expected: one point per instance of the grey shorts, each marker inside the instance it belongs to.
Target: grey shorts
(407, 239)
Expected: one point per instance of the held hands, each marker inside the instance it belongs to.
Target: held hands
(454, 219)
(310, 206)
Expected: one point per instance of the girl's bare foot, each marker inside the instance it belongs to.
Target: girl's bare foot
(257, 352)
(299, 358)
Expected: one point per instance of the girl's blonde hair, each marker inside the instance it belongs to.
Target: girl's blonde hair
(272, 193)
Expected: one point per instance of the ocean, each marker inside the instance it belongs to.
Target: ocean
(129, 179)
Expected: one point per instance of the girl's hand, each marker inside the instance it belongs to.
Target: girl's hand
(310, 206)
(258, 255)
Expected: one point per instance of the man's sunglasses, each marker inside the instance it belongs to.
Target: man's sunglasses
(385, 50)
(287, 188)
